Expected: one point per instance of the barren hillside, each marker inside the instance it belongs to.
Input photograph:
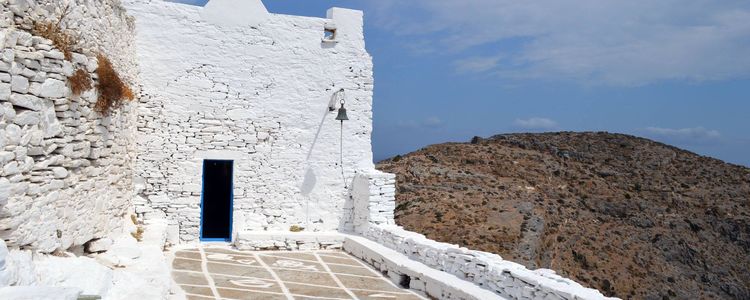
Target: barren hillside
(629, 216)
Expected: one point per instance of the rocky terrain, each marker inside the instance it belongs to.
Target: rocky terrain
(629, 216)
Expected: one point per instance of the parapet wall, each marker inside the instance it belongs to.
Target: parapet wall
(372, 193)
(66, 173)
(375, 194)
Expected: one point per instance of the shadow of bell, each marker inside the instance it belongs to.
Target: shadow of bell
(308, 183)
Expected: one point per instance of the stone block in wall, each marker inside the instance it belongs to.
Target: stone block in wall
(27, 101)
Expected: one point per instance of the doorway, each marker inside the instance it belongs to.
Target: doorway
(216, 200)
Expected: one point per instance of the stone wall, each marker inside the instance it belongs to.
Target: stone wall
(255, 90)
(374, 196)
(505, 278)
(66, 170)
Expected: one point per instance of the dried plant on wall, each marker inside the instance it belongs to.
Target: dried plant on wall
(80, 82)
(112, 90)
(54, 32)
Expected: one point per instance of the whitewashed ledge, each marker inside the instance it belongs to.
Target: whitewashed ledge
(439, 270)
(39, 293)
(490, 271)
(398, 268)
(285, 240)
(415, 275)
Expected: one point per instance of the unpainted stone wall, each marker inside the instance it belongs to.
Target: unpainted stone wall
(66, 173)
(258, 95)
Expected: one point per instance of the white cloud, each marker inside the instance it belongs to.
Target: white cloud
(683, 135)
(536, 123)
(477, 64)
(431, 122)
(589, 41)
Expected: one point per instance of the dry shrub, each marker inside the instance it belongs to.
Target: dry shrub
(138, 234)
(79, 82)
(112, 90)
(53, 31)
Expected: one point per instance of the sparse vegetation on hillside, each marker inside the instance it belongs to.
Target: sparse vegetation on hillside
(631, 217)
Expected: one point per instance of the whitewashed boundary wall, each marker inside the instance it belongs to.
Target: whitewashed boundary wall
(66, 170)
(374, 193)
(257, 93)
(372, 197)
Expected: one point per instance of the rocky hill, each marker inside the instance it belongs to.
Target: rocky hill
(629, 216)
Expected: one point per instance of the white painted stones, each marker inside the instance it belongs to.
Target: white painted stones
(48, 120)
(5, 90)
(13, 134)
(27, 101)
(53, 88)
(18, 7)
(99, 245)
(27, 118)
(39, 292)
(11, 168)
(45, 134)
(68, 271)
(4, 195)
(19, 84)
(59, 172)
(8, 55)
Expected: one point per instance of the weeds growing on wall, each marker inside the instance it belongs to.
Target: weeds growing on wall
(112, 90)
(80, 82)
(138, 234)
(53, 31)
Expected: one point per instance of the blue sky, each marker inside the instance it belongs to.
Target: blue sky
(677, 71)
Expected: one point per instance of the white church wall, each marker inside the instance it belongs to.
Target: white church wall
(255, 94)
(66, 173)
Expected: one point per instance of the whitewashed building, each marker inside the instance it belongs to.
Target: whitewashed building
(233, 86)
(235, 136)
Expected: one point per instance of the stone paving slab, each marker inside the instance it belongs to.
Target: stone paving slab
(222, 273)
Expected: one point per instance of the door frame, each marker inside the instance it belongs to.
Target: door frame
(231, 202)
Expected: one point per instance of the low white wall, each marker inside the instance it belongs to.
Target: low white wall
(66, 173)
(289, 241)
(375, 203)
(255, 92)
(372, 192)
(414, 275)
(506, 278)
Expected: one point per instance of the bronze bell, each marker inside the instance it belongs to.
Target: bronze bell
(342, 114)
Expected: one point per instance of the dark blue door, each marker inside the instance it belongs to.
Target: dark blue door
(216, 200)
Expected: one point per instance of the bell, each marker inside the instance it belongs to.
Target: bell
(342, 114)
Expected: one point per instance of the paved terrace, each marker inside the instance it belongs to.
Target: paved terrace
(221, 273)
